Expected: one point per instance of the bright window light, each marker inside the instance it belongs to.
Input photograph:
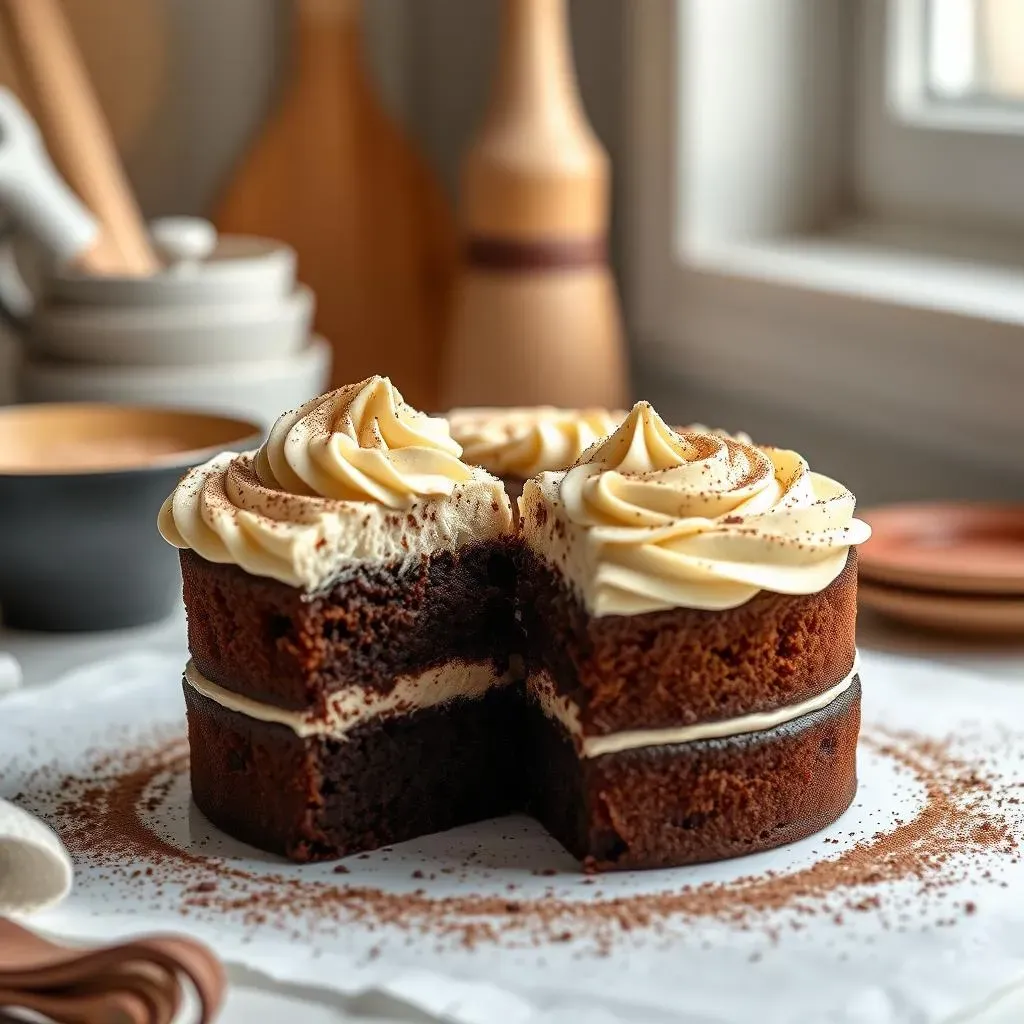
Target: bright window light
(975, 51)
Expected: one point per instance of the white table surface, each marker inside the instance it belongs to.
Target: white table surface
(254, 999)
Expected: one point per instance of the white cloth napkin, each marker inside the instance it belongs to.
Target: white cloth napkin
(35, 869)
(10, 673)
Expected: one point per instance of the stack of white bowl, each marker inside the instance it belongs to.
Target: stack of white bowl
(224, 328)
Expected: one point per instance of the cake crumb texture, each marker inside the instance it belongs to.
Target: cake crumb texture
(268, 641)
(683, 666)
(389, 780)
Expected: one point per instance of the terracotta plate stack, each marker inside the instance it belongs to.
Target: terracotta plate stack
(954, 567)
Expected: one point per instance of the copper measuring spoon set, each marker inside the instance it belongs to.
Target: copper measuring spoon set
(140, 981)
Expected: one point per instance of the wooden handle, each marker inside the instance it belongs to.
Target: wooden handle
(77, 134)
(537, 315)
(329, 10)
(536, 170)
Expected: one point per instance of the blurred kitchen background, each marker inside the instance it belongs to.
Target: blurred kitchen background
(818, 205)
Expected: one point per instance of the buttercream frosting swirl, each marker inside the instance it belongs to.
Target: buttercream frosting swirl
(361, 443)
(522, 442)
(699, 428)
(656, 519)
(354, 475)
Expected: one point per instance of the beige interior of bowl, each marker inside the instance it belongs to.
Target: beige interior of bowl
(74, 438)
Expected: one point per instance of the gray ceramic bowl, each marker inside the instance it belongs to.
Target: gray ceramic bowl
(80, 488)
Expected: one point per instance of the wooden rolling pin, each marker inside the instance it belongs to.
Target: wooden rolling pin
(78, 138)
(537, 317)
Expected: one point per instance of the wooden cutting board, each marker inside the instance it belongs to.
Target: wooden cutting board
(333, 175)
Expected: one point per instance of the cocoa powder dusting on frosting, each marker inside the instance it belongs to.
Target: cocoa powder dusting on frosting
(658, 519)
(970, 820)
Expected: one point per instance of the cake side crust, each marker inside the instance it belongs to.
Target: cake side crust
(686, 665)
(388, 780)
(694, 802)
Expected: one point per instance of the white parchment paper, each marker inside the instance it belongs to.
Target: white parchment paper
(903, 960)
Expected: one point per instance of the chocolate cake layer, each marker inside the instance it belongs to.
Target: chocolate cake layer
(389, 780)
(272, 642)
(692, 802)
(683, 666)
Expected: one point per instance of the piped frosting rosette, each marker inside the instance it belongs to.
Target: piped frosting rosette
(664, 519)
(522, 442)
(361, 443)
(353, 475)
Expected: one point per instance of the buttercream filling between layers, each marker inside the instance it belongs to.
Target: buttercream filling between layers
(352, 706)
(559, 707)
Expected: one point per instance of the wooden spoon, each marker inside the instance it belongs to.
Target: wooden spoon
(50, 70)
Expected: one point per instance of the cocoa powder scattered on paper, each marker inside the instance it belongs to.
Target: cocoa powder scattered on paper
(970, 820)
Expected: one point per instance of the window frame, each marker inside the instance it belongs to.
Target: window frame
(919, 157)
(790, 291)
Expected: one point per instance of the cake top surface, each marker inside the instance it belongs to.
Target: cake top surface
(352, 476)
(522, 442)
(650, 519)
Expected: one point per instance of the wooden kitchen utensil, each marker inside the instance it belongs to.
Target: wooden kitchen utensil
(34, 195)
(537, 317)
(125, 46)
(333, 176)
(57, 86)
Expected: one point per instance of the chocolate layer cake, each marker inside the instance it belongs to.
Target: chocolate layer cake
(688, 602)
(658, 662)
(349, 591)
